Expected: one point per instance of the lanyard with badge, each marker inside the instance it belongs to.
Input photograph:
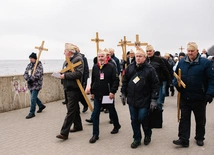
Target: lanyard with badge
(101, 73)
(136, 78)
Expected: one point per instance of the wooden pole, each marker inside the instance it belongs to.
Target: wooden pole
(181, 48)
(97, 40)
(180, 83)
(41, 48)
(123, 44)
(137, 43)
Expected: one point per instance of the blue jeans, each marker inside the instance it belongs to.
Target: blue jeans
(96, 116)
(162, 93)
(138, 116)
(34, 100)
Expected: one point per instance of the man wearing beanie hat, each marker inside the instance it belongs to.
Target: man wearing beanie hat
(197, 74)
(140, 86)
(33, 55)
(72, 91)
(34, 84)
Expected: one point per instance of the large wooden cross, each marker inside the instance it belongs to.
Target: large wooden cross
(181, 48)
(41, 48)
(71, 67)
(123, 44)
(137, 43)
(97, 40)
(180, 83)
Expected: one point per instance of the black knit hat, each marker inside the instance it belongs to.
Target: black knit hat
(182, 54)
(33, 55)
(157, 53)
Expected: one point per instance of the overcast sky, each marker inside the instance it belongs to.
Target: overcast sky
(165, 24)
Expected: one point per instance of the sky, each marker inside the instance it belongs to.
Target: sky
(165, 24)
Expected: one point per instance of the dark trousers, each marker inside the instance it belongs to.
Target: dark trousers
(73, 112)
(138, 118)
(199, 111)
(96, 116)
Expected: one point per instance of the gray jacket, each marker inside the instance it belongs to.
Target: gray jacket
(35, 80)
(69, 83)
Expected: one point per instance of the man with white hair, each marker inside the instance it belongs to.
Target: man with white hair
(104, 83)
(72, 91)
(197, 74)
(141, 88)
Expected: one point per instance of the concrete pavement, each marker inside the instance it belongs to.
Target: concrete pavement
(37, 136)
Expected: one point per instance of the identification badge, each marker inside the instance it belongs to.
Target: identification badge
(136, 79)
(101, 76)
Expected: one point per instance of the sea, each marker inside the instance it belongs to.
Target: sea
(17, 67)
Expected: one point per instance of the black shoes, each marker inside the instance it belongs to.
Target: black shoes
(106, 111)
(135, 144)
(200, 142)
(30, 116)
(116, 130)
(89, 120)
(85, 109)
(147, 140)
(111, 122)
(62, 137)
(181, 142)
(40, 109)
(75, 130)
(93, 139)
(64, 102)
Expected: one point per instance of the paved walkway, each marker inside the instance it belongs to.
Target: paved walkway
(36, 136)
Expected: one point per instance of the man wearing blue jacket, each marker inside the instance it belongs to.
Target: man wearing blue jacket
(197, 74)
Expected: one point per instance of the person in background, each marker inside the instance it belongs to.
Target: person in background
(111, 51)
(198, 76)
(161, 70)
(72, 91)
(140, 86)
(34, 84)
(104, 82)
(180, 56)
(84, 80)
(131, 57)
(171, 63)
(204, 53)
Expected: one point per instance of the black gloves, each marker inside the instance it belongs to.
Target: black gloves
(123, 99)
(209, 98)
(153, 104)
(29, 81)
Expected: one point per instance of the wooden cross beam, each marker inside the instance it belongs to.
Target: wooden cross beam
(123, 44)
(41, 48)
(97, 40)
(71, 67)
(137, 43)
(180, 83)
(181, 48)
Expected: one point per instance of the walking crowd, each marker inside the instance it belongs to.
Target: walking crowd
(146, 81)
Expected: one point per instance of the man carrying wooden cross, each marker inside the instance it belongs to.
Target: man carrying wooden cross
(34, 84)
(197, 74)
(72, 91)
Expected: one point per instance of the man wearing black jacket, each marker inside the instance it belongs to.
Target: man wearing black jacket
(104, 82)
(140, 87)
(160, 67)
